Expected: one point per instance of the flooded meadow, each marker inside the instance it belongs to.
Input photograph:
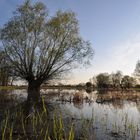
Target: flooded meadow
(72, 114)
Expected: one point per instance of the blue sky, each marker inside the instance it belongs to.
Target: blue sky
(112, 27)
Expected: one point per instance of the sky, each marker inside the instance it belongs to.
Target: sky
(112, 27)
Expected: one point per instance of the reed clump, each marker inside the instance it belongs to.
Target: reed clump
(34, 123)
(78, 97)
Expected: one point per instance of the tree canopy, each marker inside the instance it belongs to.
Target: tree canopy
(41, 47)
(102, 80)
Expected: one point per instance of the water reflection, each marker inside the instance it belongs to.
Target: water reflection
(78, 105)
(116, 117)
(108, 115)
(89, 90)
(138, 105)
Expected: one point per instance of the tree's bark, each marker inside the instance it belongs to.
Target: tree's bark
(33, 91)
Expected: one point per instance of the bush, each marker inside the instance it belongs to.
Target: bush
(88, 84)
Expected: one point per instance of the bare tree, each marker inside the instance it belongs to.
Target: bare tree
(41, 48)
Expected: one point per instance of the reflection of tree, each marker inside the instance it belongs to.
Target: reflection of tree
(89, 90)
(78, 105)
(91, 95)
(6, 101)
(138, 106)
(9, 97)
(118, 104)
(113, 98)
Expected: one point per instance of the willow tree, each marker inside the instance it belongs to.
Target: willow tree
(41, 47)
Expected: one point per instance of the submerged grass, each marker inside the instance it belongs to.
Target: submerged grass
(34, 125)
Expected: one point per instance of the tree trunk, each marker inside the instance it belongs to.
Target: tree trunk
(33, 91)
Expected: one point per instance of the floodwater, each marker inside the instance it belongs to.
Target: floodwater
(106, 116)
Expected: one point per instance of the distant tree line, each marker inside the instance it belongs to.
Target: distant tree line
(114, 81)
